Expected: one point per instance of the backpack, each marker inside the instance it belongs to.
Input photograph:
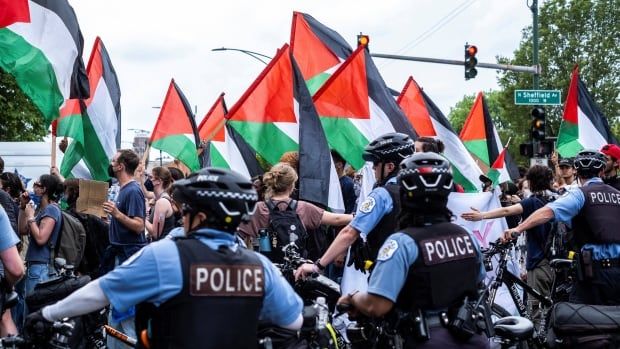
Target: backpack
(97, 240)
(71, 240)
(283, 223)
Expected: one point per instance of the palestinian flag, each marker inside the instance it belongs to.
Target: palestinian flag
(482, 140)
(275, 115)
(317, 49)
(221, 149)
(93, 123)
(41, 46)
(320, 51)
(497, 168)
(583, 125)
(429, 121)
(175, 131)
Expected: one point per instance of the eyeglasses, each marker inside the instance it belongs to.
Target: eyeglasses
(37, 184)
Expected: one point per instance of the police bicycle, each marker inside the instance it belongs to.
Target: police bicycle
(513, 283)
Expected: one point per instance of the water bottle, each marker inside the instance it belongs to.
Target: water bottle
(264, 243)
(323, 313)
(113, 192)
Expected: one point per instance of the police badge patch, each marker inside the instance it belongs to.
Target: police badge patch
(367, 205)
(387, 250)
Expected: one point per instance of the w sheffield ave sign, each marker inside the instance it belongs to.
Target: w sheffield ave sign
(537, 97)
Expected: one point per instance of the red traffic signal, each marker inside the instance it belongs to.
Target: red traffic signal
(363, 40)
(470, 61)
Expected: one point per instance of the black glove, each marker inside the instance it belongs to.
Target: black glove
(37, 328)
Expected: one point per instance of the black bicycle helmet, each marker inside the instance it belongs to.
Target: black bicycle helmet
(425, 178)
(391, 147)
(227, 197)
(589, 163)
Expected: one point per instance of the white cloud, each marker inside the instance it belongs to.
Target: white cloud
(152, 41)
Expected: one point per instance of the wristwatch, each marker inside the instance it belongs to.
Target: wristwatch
(319, 265)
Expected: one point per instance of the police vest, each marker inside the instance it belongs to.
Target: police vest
(219, 304)
(597, 221)
(387, 224)
(446, 270)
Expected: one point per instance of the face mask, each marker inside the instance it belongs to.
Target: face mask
(111, 171)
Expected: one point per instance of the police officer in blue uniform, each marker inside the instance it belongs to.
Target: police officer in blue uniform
(593, 211)
(376, 216)
(430, 265)
(204, 290)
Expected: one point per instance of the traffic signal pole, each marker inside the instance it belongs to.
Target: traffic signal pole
(535, 69)
(534, 8)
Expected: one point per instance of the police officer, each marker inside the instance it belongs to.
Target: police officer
(430, 265)
(592, 210)
(205, 290)
(376, 216)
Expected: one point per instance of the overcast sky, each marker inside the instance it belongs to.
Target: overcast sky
(151, 42)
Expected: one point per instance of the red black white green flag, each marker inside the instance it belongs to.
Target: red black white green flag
(583, 125)
(276, 115)
(321, 52)
(429, 121)
(480, 137)
(175, 131)
(41, 47)
(93, 123)
(224, 147)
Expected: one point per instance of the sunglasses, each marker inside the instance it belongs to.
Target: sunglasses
(37, 184)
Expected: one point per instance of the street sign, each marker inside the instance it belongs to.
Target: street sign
(538, 97)
(539, 161)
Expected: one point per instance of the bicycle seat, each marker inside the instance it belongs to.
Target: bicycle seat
(514, 328)
(561, 263)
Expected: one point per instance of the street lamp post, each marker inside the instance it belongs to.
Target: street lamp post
(252, 54)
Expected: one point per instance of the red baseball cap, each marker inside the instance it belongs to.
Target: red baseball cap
(611, 150)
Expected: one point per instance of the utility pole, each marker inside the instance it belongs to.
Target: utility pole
(534, 9)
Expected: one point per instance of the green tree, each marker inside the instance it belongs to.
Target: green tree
(20, 120)
(586, 33)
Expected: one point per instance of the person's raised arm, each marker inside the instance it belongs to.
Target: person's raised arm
(476, 215)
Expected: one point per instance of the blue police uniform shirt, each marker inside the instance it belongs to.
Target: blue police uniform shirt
(7, 235)
(154, 275)
(398, 253)
(38, 253)
(130, 201)
(377, 204)
(568, 206)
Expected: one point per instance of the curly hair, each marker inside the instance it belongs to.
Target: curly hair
(539, 178)
(430, 144)
(291, 158)
(280, 178)
(12, 184)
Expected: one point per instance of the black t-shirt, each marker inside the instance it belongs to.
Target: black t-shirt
(537, 236)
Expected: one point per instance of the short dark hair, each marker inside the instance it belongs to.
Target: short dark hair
(176, 173)
(130, 159)
(53, 186)
(431, 144)
(338, 158)
(1, 164)
(539, 178)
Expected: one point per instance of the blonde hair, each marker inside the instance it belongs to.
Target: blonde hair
(280, 178)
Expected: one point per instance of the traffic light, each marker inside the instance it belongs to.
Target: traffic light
(470, 61)
(538, 123)
(363, 40)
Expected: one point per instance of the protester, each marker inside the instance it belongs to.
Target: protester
(346, 183)
(610, 176)
(12, 184)
(279, 183)
(181, 313)
(8, 204)
(161, 219)
(126, 228)
(414, 278)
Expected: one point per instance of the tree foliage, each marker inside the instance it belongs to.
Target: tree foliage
(20, 120)
(575, 32)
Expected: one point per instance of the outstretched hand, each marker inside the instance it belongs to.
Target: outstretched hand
(473, 215)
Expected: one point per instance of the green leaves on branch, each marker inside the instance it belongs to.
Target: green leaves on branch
(20, 120)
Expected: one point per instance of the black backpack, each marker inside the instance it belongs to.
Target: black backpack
(556, 244)
(284, 226)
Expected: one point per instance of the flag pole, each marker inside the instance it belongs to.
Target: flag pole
(53, 151)
(145, 156)
(217, 129)
(507, 143)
